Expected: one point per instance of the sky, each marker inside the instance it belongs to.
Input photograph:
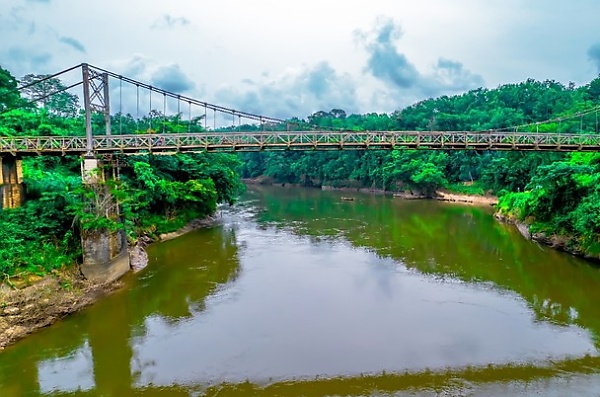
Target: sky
(289, 58)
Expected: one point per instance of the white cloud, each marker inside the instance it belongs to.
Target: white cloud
(297, 92)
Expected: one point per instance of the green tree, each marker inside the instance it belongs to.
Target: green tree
(10, 98)
(429, 178)
(556, 190)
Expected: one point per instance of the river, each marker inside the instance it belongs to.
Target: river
(299, 292)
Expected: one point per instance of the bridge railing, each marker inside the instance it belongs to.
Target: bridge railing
(301, 140)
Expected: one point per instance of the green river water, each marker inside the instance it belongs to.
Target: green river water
(301, 292)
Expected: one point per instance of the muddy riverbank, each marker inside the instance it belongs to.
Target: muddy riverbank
(29, 305)
(23, 311)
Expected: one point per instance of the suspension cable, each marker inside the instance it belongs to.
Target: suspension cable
(213, 107)
(137, 111)
(164, 112)
(41, 98)
(554, 120)
(48, 77)
(189, 117)
(150, 110)
(120, 107)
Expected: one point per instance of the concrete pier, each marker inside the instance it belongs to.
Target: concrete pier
(12, 191)
(105, 253)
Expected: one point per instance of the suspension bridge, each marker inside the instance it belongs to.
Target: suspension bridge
(270, 133)
(103, 135)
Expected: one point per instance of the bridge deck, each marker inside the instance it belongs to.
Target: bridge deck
(301, 140)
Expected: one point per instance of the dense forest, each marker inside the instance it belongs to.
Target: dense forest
(554, 192)
(156, 194)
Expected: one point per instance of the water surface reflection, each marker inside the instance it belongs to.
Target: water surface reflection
(298, 292)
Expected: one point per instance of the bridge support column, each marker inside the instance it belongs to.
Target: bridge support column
(105, 254)
(12, 191)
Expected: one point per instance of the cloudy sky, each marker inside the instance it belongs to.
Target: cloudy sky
(287, 58)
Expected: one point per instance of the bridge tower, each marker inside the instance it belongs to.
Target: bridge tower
(105, 253)
(95, 98)
(12, 192)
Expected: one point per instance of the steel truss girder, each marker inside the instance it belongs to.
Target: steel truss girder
(300, 140)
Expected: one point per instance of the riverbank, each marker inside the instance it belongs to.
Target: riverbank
(23, 311)
(568, 244)
(466, 198)
(139, 257)
(440, 195)
(29, 305)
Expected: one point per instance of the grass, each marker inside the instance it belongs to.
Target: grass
(474, 189)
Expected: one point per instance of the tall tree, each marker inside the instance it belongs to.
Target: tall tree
(51, 94)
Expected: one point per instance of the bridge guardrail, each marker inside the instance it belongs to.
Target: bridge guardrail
(301, 140)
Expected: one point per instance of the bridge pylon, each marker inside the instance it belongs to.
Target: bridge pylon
(96, 98)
